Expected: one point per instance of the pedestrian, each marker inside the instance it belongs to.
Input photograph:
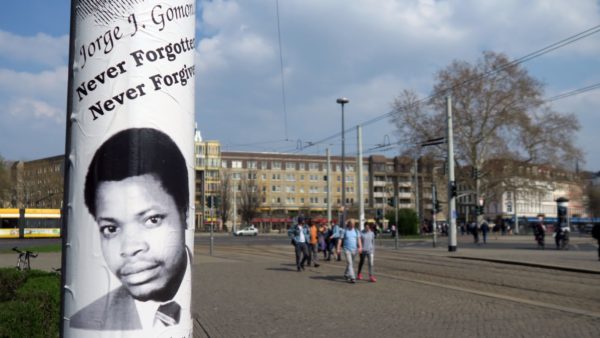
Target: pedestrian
(474, 231)
(485, 228)
(334, 239)
(321, 239)
(596, 235)
(350, 241)
(299, 235)
(368, 251)
(313, 243)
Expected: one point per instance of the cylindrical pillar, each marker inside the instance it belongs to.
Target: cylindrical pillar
(129, 188)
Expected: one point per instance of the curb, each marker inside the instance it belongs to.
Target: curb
(529, 264)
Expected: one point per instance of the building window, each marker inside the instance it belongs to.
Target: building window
(276, 177)
(264, 165)
(224, 163)
(276, 165)
(313, 166)
(301, 166)
(236, 164)
(251, 164)
(290, 166)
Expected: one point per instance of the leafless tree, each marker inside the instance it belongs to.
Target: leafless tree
(6, 188)
(249, 197)
(593, 200)
(225, 198)
(498, 112)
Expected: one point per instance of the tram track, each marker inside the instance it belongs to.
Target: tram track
(531, 286)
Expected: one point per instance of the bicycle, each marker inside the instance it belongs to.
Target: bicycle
(23, 262)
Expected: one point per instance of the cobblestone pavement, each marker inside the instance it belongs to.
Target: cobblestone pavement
(256, 292)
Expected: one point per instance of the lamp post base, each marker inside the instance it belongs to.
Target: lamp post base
(451, 248)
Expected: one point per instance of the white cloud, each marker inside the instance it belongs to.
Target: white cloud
(40, 49)
(26, 108)
(48, 84)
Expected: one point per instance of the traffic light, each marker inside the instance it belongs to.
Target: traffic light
(480, 210)
(437, 207)
(453, 192)
(390, 201)
(217, 201)
(209, 201)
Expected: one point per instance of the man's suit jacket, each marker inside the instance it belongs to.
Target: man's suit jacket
(114, 311)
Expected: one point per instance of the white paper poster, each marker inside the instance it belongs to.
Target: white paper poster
(129, 240)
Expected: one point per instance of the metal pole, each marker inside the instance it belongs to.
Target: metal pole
(433, 211)
(361, 202)
(235, 207)
(211, 225)
(210, 197)
(397, 234)
(451, 181)
(343, 101)
(328, 187)
(417, 204)
(343, 221)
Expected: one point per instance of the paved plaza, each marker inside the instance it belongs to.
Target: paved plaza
(250, 288)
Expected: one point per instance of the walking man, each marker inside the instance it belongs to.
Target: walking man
(299, 235)
(350, 241)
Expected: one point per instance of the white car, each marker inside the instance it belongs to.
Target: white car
(247, 231)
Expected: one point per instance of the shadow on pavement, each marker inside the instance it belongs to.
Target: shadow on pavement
(334, 278)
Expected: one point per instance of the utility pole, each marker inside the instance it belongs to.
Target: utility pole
(417, 204)
(359, 165)
(209, 197)
(328, 187)
(234, 207)
(451, 181)
(397, 234)
(433, 210)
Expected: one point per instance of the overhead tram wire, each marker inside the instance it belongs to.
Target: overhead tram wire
(523, 59)
(285, 127)
(573, 92)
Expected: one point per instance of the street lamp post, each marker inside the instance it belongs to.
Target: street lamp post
(342, 101)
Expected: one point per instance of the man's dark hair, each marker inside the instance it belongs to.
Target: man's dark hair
(136, 152)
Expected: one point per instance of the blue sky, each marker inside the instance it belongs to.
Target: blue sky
(368, 51)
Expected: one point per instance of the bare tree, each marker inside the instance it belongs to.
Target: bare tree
(498, 112)
(249, 197)
(593, 200)
(225, 195)
(6, 188)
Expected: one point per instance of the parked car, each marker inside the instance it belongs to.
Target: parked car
(247, 231)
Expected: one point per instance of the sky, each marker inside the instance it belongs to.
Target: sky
(368, 51)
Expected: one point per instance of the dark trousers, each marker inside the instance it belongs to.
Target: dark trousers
(598, 249)
(301, 248)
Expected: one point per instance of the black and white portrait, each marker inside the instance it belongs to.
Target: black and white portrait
(136, 189)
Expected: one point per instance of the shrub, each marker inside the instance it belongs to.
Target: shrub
(407, 221)
(32, 308)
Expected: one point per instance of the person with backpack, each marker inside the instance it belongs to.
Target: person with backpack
(596, 235)
(368, 251)
(334, 239)
(350, 241)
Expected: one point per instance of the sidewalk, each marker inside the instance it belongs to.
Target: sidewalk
(575, 259)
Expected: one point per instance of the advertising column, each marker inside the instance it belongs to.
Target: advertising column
(128, 228)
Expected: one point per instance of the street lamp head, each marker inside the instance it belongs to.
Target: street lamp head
(342, 100)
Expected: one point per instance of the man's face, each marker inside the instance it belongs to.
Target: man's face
(142, 236)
